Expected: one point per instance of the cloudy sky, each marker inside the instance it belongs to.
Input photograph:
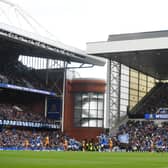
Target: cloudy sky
(75, 22)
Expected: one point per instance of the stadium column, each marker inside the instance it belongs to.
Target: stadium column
(119, 93)
(113, 95)
(46, 83)
(63, 95)
(108, 118)
(45, 110)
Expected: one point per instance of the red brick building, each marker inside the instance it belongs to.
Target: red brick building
(84, 108)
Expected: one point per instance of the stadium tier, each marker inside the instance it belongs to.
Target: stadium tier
(41, 109)
(32, 87)
(137, 75)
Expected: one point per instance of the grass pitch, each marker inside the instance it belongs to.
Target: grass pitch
(30, 159)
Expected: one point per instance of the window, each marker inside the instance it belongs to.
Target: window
(140, 84)
(89, 109)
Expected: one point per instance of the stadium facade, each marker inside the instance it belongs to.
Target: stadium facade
(84, 108)
(33, 73)
(34, 84)
(136, 63)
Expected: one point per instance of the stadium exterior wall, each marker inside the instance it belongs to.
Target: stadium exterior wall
(79, 86)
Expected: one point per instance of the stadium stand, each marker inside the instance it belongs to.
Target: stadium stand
(32, 71)
(22, 113)
(155, 99)
(15, 138)
(18, 74)
(144, 136)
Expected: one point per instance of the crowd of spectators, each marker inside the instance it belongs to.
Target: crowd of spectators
(18, 74)
(22, 113)
(144, 136)
(134, 136)
(17, 138)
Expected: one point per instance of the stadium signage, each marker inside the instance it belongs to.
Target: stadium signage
(161, 113)
(161, 116)
(9, 86)
(156, 116)
(29, 124)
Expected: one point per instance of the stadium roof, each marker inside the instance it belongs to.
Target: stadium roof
(146, 52)
(22, 42)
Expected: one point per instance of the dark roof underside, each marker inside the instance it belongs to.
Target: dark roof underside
(153, 62)
(19, 42)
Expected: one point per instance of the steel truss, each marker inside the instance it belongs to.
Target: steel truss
(113, 93)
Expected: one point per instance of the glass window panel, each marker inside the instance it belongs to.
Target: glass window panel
(142, 88)
(100, 123)
(77, 98)
(100, 114)
(93, 104)
(124, 96)
(124, 102)
(124, 77)
(142, 82)
(133, 80)
(150, 85)
(93, 113)
(85, 101)
(88, 108)
(77, 122)
(134, 73)
(93, 95)
(85, 123)
(100, 105)
(124, 90)
(123, 108)
(134, 92)
(85, 96)
(85, 113)
(78, 101)
(124, 70)
(85, 105)
(134, 86)
(100, 97)
(134, 98)
(77, 113)
(132, 104)
(150, 79)
(142, 76)
(142, 94)
(124, 67)
(92, 123)
(124, 83)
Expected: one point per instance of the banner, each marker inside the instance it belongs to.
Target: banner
(124, 138)
(54, 108)
(149, 116)
(29, 124)
(9, 86)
